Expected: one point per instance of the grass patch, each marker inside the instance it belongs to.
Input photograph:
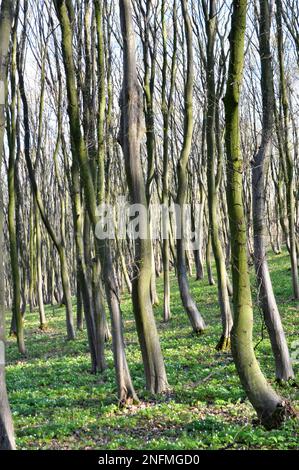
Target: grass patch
(58, 404)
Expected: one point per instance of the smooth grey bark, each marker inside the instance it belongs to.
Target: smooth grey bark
(129, 138)
(39, 274)
(80, 156)
(260, 164)
(288, 160)
(213, 178)
(166, 107)
(58, 240)
(12, 175)
(7, 440)
(272, 410)
(188, 302)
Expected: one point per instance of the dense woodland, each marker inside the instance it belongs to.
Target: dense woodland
(159, 102)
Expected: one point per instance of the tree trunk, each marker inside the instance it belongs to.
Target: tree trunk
(284, 370)
(80, 156)
(213, 184)
(129, 137)
(79, 308)
(288, 164)
(39, 275)
(7, 441)
(11, 174)
(272, 410)
(166, 106)
(58, 241)
(208, 259)
(189, 304)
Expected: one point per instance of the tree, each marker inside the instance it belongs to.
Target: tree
(287, 163)
(272, 410)
(214, 177)
(65, 16)
(12, 194)
(195, 318)
(166, 107)
(7, 440)
(130, 132)
(260, 165)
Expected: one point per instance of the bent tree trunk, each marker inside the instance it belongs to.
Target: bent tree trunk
(284, 370)
(189, 304)
(129, 137)
(272, 410)
(7, 440)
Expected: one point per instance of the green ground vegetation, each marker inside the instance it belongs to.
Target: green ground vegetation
(58, 404)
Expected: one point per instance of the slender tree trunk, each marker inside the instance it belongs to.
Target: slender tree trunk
(129, 137)
(92, 193)
(32, 258)
(39, 273)
(149, 59)
(271, 409)
(189, 304)
(12, 212)
(7, 441)
(284, 370)
(213, 184)
(79, 311)
(198, 253)
(208, 259)
(123, 264)
(289, 164)
(97, 360)
(70, 329)
(58, 241)
(166, 106)
(126, 391)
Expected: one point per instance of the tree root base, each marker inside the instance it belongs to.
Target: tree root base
(282, 413)
(166, 317)
(198, 331)
(125, 401)
(223, 344)
(290, 381)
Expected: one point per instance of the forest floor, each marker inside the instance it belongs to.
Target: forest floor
(58, 404)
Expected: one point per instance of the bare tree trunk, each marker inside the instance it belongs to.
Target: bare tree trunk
(208, 259)
(57, 240)
(189, 304)
(213, 178)
(7, 440)
(129, 137)
(272, 410)
(39, 275)
(284, 370)
(80, 156)
(288, 163)
(166, 106)
(12, 196)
